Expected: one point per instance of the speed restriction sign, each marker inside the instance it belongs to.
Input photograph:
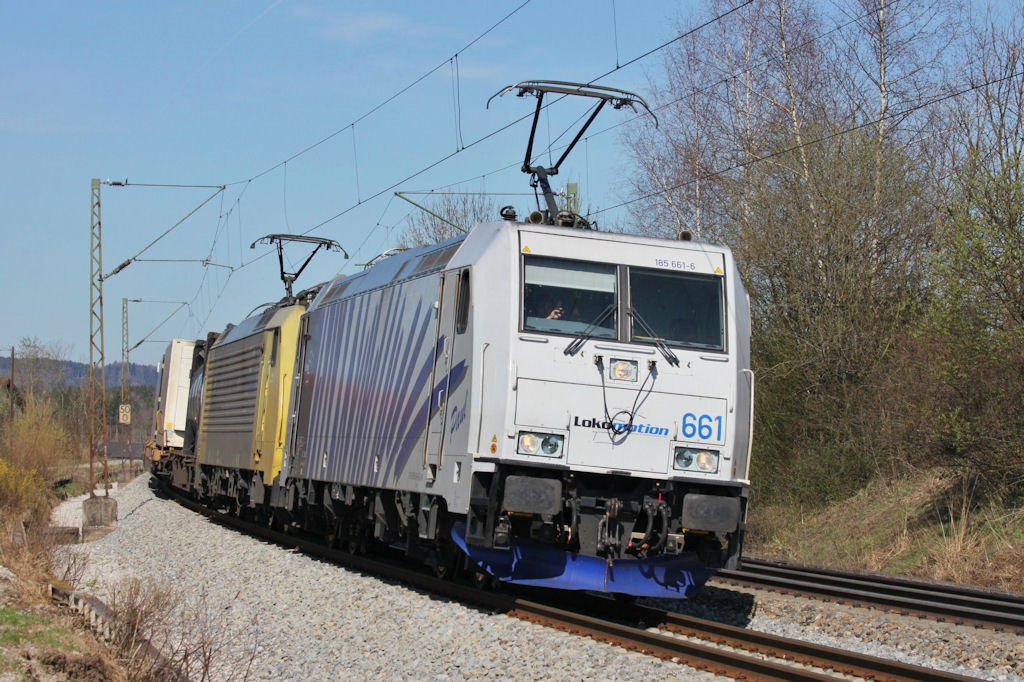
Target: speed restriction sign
(124, 413)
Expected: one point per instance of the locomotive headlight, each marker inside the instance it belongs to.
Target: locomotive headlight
(544, 444)
(705, 461)
(622, 370)
(551, 445)
(529, 443)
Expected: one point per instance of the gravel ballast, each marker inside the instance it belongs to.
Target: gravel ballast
(283, 615)
(289, 616)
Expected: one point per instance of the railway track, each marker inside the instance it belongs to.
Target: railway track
(942, 602)
(702, 644)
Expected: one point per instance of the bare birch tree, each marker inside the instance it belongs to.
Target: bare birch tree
(781, 138)
(465, 210)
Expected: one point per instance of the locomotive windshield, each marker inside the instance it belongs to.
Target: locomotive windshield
(566, 296)
(680, 309)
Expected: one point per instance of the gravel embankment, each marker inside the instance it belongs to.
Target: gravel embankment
(285, 615)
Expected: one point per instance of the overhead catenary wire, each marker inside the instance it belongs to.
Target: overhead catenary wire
(463, 194)
(284, 200)
(388, 100)
(203, 261)
(236, 204)
(615, 27)
(181, 305)
(818, 140)
(520, 119)
(704, 89)
(122, 266)
(493, 133)
(474, 143)
(515, 122)
(224, 220)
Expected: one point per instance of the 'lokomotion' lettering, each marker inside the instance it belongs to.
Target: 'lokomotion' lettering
(621, 427)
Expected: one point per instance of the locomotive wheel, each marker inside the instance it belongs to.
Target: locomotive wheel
(444, 564)
(482, 580)
(274, 524)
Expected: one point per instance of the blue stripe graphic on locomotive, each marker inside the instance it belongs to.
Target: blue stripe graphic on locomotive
(353, 375)
(420, 421)
(393, 411)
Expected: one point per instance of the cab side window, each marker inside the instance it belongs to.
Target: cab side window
(462, 303)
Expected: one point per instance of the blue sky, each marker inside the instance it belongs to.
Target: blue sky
(212, 93)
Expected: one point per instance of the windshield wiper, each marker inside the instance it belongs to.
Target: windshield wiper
(581, 338)
(659, 342)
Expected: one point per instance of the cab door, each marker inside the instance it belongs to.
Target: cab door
(451, 342)
(438, 396)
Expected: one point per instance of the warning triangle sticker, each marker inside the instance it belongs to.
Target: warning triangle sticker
(526, 249)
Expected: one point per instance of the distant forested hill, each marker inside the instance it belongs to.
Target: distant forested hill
(50, 373)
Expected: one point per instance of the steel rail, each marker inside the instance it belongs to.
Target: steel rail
(957, 603)
(749, 654)
(806, 653)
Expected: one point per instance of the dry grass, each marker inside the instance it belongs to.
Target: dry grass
(927, 526)
(35, 449)
(143, 614)
(865, 531)
(39, 641)
(31, 553)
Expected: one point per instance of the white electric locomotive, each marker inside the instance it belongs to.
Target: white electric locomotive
(565, 407)
(537, 401)
(540, 395)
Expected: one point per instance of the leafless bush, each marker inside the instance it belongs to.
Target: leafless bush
(141, 613)
(190, 635)
(27, 549)
(67, 564)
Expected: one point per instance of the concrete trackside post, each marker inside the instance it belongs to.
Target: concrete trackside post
(99, 516)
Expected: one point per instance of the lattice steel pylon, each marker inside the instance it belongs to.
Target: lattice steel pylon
(97, 366)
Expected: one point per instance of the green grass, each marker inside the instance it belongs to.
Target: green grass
(54, 643)
(18, 628)
(71, 489)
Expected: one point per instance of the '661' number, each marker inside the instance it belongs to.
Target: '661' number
(702, 427)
